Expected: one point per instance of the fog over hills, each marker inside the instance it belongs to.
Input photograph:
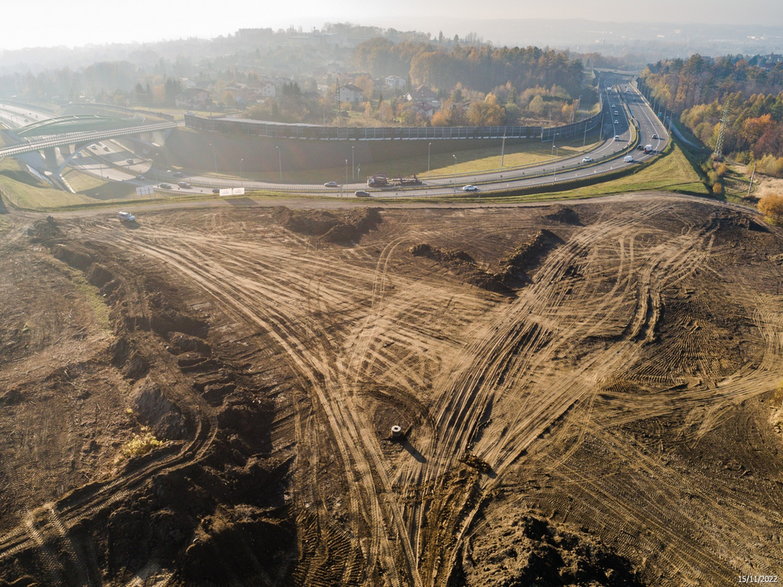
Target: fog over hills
(638, 42)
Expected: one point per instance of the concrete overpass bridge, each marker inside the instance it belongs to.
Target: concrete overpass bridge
(69, 131)
(50, 145)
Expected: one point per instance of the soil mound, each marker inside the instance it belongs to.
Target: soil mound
(526, 257)
(150, 404)
(514, 268)
(729, 220)
(42, 231)
(534, 551)
(462, 264)
(343, 229)
(565, 215)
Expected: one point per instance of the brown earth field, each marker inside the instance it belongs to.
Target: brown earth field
(588, 395)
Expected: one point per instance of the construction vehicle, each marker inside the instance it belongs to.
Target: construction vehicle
(383, 181)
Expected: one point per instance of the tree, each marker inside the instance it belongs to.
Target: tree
(771, 206)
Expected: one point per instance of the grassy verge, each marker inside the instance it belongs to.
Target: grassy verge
(466, 162)
(671, 172)
(25, 191)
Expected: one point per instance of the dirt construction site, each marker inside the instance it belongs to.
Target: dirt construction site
(586, 394)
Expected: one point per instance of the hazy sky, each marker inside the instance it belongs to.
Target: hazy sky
(42, 23)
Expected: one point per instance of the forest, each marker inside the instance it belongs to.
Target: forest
(748, 91)
(478, 67)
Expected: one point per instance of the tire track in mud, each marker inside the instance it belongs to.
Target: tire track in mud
(313, 358)
(89, 499)
(501, 367)
(481, 379)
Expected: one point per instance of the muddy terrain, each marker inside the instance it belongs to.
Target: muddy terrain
(587, 395)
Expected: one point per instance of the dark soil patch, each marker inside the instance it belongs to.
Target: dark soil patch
(340, 228)
(42, 231)
(565, 215)
(462, 264)
(535, 551)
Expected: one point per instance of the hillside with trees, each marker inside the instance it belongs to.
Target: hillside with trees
(748, 90)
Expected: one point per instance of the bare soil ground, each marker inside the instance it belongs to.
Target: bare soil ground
(587, 395)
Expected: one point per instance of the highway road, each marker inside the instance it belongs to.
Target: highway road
(621, 98)
(625, 105)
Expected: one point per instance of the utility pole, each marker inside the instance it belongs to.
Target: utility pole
(718, 153)
(503, 150)
(752, 175)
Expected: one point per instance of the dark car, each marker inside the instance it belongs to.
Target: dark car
(361, 194)
(165, 186)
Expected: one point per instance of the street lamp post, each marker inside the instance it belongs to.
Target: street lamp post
(279, 165)
(346, 173)
(241, 164)
(429, 147)
(353, 164)
(503, 150)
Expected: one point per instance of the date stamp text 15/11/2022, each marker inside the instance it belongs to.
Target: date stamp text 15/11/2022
(757, 579)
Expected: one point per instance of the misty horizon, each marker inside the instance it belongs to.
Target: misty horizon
(60, 25)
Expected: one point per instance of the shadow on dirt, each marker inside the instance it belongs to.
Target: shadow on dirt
(412, 450)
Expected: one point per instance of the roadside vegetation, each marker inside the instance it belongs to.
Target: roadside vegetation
(771, 206)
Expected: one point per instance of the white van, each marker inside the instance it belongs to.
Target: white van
(628, 158)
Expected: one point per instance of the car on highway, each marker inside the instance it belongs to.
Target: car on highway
(184, 185)
(656, 137)
(164, 186)
(616, 121)
(215, 190)
(616, 137)
(628, 158)
(331, 184)
(126, 216)
(106, 148)
(469, 188)
(361, 194)
(587, 159)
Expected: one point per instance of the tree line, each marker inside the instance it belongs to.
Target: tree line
(746, 90)
(479, 68)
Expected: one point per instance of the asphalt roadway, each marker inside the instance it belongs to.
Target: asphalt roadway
(625, 105)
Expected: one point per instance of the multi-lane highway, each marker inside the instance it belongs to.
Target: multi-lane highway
(629, 121)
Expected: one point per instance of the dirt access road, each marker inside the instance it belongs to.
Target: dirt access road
(587, 395)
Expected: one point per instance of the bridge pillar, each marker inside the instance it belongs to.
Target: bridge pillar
(50, 156)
